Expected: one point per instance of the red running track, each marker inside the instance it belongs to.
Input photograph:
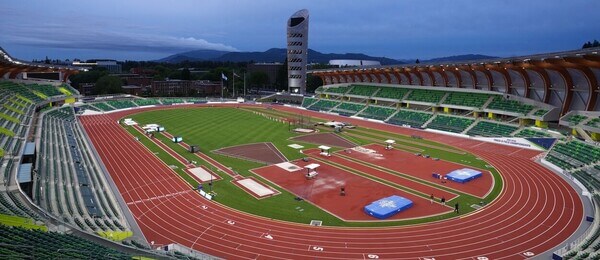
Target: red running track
(536, 211)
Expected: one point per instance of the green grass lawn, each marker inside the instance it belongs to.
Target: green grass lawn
(214, 128)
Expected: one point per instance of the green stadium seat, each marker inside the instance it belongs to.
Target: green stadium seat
(490, 129)
(412, 118)
(450, 123)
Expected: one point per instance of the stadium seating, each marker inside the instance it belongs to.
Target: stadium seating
(308, 101)
(362, 90)
(336, 90)
(499, 103)
(391, 93)
(170, 101)
(324, 104)
(348, 109)
(89, 107)
(412, 118)
(20, 243)
(103, 106)
(450, 123)
(146, 101)
(526, 132)
(44, 90)
(594, 122)
(425, 95)
(475, 100)
(575, 119)
(120, 104)
(74, 188)
(490, 129)
(573, 154)
(540, 112)
(379, 113)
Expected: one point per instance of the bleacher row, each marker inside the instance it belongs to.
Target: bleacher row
(437, 97)
(70, 185)
(138, 102)
(418, 119)
(582, 160)
(18, 102)
(574, 154)
(20, 243)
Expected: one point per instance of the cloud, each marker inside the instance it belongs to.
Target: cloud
(69, 36)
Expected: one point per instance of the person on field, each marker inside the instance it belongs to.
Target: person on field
(431, 198)
(443, 200)
(456, 208)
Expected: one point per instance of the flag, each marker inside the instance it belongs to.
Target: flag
(223, 76)
(236, 75)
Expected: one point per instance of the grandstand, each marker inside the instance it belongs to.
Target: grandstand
(348, 109)
(377, 112)
(71, 184)
(450, 123)
(411, 118)
(491, 129)
(21, 243)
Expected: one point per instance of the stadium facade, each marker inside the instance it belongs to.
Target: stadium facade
(568, 80)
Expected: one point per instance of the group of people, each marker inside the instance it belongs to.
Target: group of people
(443, 202)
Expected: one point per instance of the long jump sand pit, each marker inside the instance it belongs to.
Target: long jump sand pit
(329, 139)
(202, 174)
(420, 167)
(255, 188)
(258, 152)
(324, 191)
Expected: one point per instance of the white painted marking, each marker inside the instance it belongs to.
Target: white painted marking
(482, 258)
(317, 248)
(204, 207)
(230, 222)
(528, 253)
(372, 256)
(269, 237)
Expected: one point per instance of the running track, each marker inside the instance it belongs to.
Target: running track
(536, 211)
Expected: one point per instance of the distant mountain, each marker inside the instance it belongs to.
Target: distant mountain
(271, 55)
(194, 56)
(465, 57)
(279, 55)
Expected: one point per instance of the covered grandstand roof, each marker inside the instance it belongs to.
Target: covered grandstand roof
(568, 79)
(11, 67)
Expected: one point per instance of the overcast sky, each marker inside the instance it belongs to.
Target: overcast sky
(400, 29)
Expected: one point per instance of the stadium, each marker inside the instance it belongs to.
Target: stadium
(486, 159)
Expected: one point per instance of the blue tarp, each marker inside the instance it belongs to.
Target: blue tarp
(463, 175)
(29, 148)
(387, 207)
(24, 174)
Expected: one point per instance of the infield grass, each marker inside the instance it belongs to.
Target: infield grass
(214, 128)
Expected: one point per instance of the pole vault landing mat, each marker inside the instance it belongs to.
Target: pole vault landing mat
(463, 175)
(387, 207)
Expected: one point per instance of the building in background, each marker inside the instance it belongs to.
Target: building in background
(354, 63)
(112, 66)
(297, 51)
(186, 88)
(271, 69)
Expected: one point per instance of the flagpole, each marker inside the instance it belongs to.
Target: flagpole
(233, 76)
(221, 87)
(244, 84)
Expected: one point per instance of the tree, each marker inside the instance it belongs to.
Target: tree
(185, 74)
(417, 61)
(596, 43)
(259, 78)
(108, 85)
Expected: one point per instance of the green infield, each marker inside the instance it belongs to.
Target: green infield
(214, 128)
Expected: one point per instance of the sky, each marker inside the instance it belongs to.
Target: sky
(398, 29)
